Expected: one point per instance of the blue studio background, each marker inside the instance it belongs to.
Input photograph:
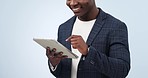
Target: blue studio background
(22, 20)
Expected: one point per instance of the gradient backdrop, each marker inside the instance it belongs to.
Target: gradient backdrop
(22, 20)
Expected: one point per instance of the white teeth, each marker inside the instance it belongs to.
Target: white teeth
(75, 9)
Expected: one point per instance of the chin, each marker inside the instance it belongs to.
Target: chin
(78, 14)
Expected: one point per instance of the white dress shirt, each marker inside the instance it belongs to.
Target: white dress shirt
(82, 28)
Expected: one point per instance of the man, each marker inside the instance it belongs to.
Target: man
(99, 39)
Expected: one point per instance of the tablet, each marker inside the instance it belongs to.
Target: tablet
(55, 44)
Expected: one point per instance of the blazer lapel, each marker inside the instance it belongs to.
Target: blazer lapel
(96, 28)
(69, 30)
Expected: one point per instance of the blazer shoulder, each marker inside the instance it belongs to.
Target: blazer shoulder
(113, 19)
(114, 22)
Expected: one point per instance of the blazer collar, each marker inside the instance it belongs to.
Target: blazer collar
(95, 30)
(97, 27)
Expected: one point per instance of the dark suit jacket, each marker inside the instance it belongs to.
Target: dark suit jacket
(108, 55)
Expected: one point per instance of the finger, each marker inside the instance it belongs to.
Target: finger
(74, 46)
(53, 50)
(47, 51)
(74, 42)
(64, 56)
(59, 54)
(74, 39)
(72, 36)
(75, 35)
(69, 38)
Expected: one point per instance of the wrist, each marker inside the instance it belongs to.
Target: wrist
(86, 51)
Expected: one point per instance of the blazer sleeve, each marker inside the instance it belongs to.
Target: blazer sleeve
(56, 72)
(117, 63)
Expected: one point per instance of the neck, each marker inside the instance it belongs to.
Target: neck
(90, 16)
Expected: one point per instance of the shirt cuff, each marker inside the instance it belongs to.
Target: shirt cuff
(52, 67)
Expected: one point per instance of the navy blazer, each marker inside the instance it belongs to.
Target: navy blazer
(108, 55)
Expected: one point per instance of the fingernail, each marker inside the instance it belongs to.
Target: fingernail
(54, 49)
(66, 40)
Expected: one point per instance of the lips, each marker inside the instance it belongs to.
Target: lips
(76, 10)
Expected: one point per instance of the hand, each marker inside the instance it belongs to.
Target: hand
(77, 42)
(54, 57)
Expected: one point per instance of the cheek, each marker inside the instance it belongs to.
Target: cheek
(67, 3)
